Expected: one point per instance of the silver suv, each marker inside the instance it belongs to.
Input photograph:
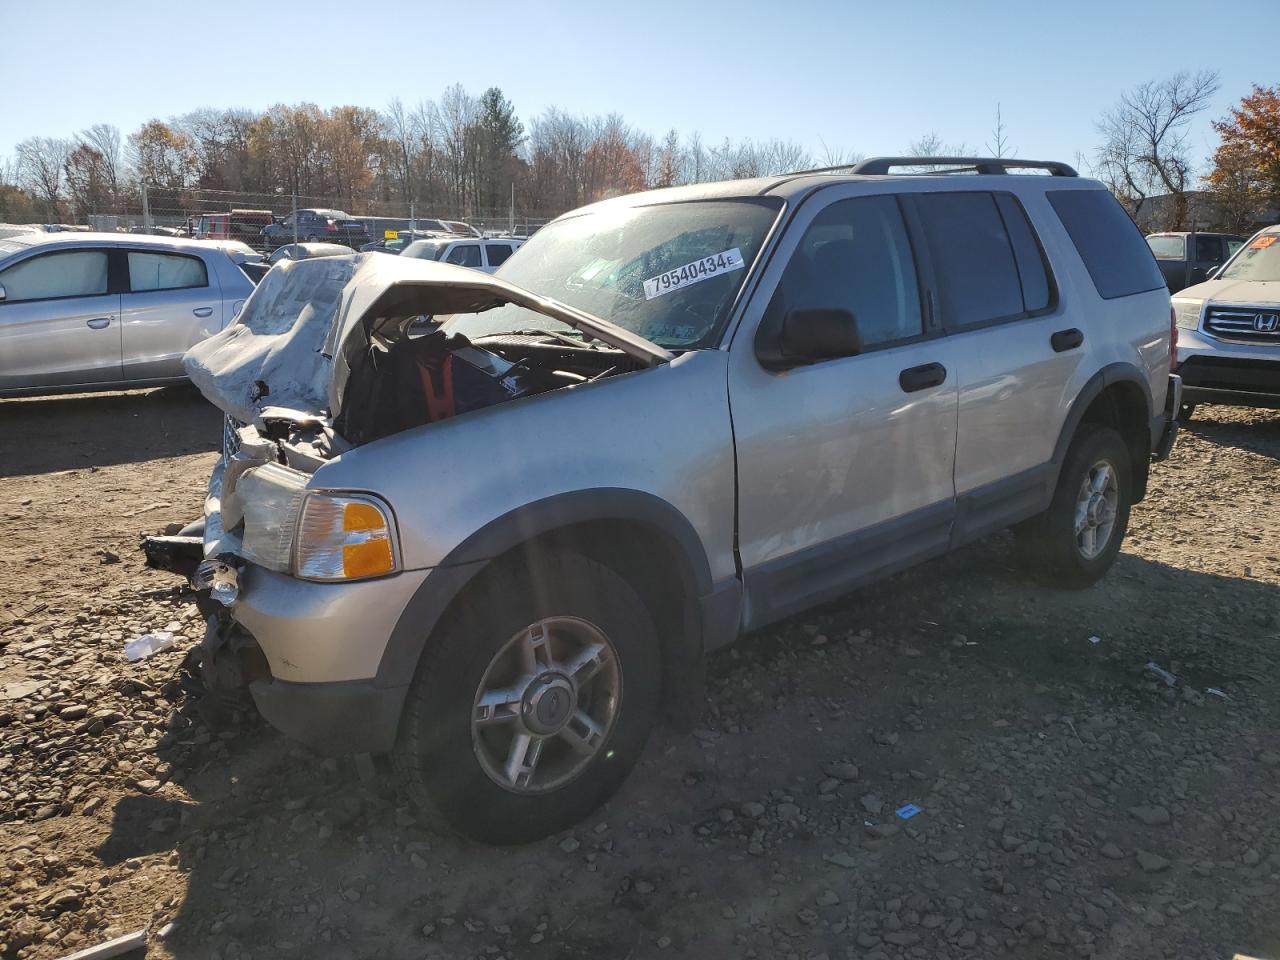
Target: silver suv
(490, 524)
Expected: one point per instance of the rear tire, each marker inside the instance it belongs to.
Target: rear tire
(586, 639)
(1186, 412)
(1075, 541)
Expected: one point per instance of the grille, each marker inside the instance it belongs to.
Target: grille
(230, 439)
(1242, 324)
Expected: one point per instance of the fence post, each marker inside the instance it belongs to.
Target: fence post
(295, 216)
(146, 209)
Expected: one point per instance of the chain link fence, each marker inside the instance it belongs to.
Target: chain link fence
(236, 215)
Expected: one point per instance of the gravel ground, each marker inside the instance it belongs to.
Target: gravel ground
(1072, 801)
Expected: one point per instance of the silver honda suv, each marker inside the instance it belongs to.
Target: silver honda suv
(490, 525)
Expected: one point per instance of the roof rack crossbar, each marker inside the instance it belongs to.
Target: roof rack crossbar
(881, 165)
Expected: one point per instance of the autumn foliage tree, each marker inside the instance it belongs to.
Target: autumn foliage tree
(1246, 166)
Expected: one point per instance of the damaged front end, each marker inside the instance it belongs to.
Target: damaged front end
(329, 355)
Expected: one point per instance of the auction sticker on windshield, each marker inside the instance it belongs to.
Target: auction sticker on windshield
(692, 273)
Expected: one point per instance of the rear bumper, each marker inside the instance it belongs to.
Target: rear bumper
(1165, 430)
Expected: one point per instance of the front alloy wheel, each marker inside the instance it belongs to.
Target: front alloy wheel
(546, 705)
(533, 698)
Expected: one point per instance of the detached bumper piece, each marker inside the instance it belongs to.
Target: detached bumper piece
(1169, 429)
(177, 554)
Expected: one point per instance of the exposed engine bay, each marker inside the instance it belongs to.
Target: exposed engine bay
(332, 353)
(413, 373)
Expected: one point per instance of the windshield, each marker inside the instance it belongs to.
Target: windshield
(1167, 248)
(1259, 260)
(668, 272)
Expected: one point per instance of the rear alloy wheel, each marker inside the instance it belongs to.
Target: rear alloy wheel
(1075, 541)
(533, 699)
(1096, 506)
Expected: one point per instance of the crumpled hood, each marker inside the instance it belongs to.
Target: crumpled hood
(1244, 292)
(302, 325)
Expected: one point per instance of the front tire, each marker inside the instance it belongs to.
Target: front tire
(533, 700)
(1076, 540)
(1186, 412)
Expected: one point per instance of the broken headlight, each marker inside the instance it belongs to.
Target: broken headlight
(344, 537)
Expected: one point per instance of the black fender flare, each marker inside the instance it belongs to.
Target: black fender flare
(470, 558)
(1111, 374)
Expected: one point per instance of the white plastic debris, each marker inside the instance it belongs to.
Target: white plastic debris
(1095, 640)
(1215, 692)
(147, 645)
(1165, 675)
(112, 948)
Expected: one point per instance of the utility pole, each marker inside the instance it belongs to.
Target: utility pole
(294, 195)
(146, 209)
(512, 217)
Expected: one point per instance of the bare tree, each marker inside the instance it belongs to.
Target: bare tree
(105, 138)
(41, 161)
(401, 131)
(998, 146)
(1144, 140)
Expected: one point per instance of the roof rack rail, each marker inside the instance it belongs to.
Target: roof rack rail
(881, 165)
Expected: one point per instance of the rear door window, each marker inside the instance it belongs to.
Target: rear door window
(165, 271)
(973, 259)
(1209, 249)
(497, 253)
(465, 255)
(1113, 250)
(49, 276)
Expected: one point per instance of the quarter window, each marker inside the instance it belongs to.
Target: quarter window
(855, 256)
(465, 255)
(165, 271)
(1119, 262)
(973, 258)
(74, 273)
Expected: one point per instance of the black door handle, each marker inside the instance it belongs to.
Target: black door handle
(922, 377)
(1066, 340)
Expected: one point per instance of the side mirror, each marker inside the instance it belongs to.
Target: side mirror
(2, 293)
(809, 335)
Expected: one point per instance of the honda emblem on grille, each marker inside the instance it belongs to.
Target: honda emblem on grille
(1266, 322)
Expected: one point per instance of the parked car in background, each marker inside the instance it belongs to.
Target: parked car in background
(1187, 258)
(314, 225)
(461, 228)
(98, 311)
(486, 255)
(400, 241)
(1229, 330)
(307, 251)
(673, 417)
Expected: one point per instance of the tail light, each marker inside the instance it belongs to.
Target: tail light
(1173, 339)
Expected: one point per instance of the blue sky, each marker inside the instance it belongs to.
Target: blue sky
(854, 76)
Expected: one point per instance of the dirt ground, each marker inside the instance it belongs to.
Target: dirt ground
(1072, 802)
